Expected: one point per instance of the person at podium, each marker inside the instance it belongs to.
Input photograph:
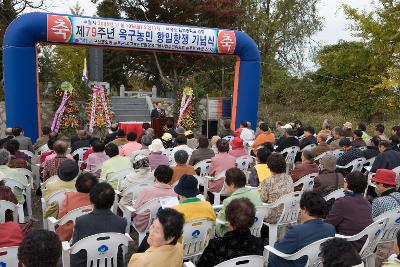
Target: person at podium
(158, 112)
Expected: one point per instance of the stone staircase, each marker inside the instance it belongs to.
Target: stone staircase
(130, 109)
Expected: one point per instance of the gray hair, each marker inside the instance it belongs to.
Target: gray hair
(146, 140)
(181, 156)
(4, 156)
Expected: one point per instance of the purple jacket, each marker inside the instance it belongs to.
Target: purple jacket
(156, 159)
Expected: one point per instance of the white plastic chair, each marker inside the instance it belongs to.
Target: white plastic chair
(317, 158)
(229, 138)
(335, 194)
(41, 149)
(245, 261)
(69, 217)
(133, 189)
(369, 162)
(397, 171)
(261, 213)
(49, 180)
(203, 166)
(374, 233)
(362, 148)
(392, 225)
(80, 152)
(337, 153)
(9, 256)
(307, 182)
(151, 207)
(355, 165)
(27, 152)
(119, 175)
(195, 237)
(101, 249)
(217, 195)
(244, 162)
(168, 153)
(289, 215)
(291, 153)
(56, 197)
(312, 251)
(28, 174)
(309, 147)
(17, 210)
(26, 189)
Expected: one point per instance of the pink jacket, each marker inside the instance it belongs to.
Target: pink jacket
(219, 163)
(239, 152)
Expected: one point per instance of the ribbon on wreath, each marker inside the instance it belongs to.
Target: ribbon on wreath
(186, 99)
(98, 91)
(55, 126)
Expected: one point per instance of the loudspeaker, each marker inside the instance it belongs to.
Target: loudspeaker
(212, 128)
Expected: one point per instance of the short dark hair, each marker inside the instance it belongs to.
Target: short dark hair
(310, 130)
(111, 150)
(203, 142)
(358, 133)
(131, 136)
(396, 128)
(17, 130)
(163, 174)
(15, 143)
(102, 196)
(223, 145)
(264, 127)
(290, 131)
(313, 203)
(181, 140)
(40, 248)
(170, 123)
(362, 127)
(297, 122)
(375, 140)
(357, 182)
(98, 146)
(263, 154)
(10, 146)
(46, 130)
(344, 142)
(395, 139)
(146, 126)
(268, 145)
(85, 182)
(172, 223)
(236, 177)
(338, 252)
(120, 133)
(240, 213)
(380, 128)
(60, 147)
(114, 127)
(181, 156)
(339, 131)
(276, 163)
(50, 143)
(244, 124)
(384, 143)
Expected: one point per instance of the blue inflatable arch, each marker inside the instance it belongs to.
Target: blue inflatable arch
(20, 56)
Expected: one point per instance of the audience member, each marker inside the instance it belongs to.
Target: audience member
(161, 188)
(380, 132)
(180, 131)
(238, 241)
(278, 132)
(260, 171)
(387, 158)
(247, 134)
(145, 141)
(213, 143)
(365, 136)
(42, 140)
(235, 186)
(165, 250)
(12, 174)
(277, 185)
(181, 144)
(83, 141)
(337, 135)
(50, 166)
(25, 143)
(201, 153)
(156, 156)
(11, 235)
(306, 167)
(322, 146)
(192, 142)
(357, 139)
(226, 129)
(120, 140)
(44, 154)
(372, 148)
(312, 207)
(12, 146)
(328, 180)
(131, 146)
(394, 259)
(352, 213)
(338, 252)
(238, 149)
(181, 168)
(394, 142)
(113, 133)
(100, 220)
(141, 174)
(8, 135)
(309, 137)
(7, 194)
(145, 127)
(347, 130)
(220, 163)
(298, 128)
(288, 140)
(350, 154)
(96, 159)
(40, 248)
(114, 164)
(167, 140)
(170, 129)
(326, 125)
(73, 200)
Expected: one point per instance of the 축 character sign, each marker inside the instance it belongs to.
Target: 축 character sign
(20, 59)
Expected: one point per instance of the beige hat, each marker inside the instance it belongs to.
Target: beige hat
(156, 146)
(328, 162)
(287, 126)
(167, 137)
(348, 125)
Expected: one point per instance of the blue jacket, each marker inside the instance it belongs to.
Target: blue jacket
(297, 237)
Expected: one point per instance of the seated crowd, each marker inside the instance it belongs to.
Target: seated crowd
(127, 171)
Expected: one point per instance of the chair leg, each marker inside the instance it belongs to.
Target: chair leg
(29, 202)
(273, 234)
(21, 215)
(217, 198)
(370, 261)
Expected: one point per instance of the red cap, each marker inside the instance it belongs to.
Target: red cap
(384, 176)
(237, 142)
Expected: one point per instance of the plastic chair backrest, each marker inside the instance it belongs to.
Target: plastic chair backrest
(337, 153)
(42, 149)
(204, 166)
(291, 153)
(397, 171)
(317, 158)
(196, 235)
(369, 162)
(49, 180)
(229, 138)
(244, 162)
(291, 207)
(11, 183)
(9, 257)
(261, 212)
(362, 148)
(7, 205)
(307, 182)
(101, 249)
(57, 197)
(80, 152)
(28, 174)
(309, 147)
(151, 206)
(73, 214)
(244, 261)
(119, 175)
(335, 194)
(167, 152)
(392, 225)
(28, 153)
(135, 189)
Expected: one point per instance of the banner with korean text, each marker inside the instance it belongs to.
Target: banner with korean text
(140, 35)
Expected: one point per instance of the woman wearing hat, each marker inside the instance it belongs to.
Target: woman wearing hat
(167, 140)
(192, 142)
(156, 158)
(328, 180)
(238, 149)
